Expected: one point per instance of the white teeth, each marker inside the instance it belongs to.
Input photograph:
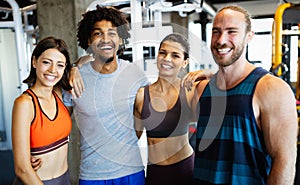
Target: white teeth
(166, 66)
(224, 50)
(50, 78)
(106, 47)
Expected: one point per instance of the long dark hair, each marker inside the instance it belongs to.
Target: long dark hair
(43, 45)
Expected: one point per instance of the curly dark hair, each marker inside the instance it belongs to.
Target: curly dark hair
(43, 45)
(116, 17)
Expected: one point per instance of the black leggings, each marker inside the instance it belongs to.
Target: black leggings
(180, 173)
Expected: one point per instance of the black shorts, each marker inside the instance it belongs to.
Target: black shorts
(180, 173)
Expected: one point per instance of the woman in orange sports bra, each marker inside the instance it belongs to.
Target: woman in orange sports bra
(41, 124)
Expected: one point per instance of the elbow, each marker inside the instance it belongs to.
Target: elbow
(139, 134)
(22, 171)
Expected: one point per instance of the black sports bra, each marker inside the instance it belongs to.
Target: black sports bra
(173, 122)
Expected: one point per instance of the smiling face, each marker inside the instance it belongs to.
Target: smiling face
(170, 59)
(50, 66)
(104, 41)
(229, 37)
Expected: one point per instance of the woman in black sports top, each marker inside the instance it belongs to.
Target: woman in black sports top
(164, 110)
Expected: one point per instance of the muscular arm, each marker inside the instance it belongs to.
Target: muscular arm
(199, 88)
(138, 124)
(275, 109)
(21, 121)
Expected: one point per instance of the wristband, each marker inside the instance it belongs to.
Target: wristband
(74, 65)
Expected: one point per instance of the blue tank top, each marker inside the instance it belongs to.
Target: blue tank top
(173, 122)
(230, 148)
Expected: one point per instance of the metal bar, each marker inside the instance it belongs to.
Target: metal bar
(278, 35)
(7, 24)
(20, 43)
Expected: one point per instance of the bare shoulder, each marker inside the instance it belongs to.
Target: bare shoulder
(23, 109)
(272, 80)
(24, 100)
(273, 87)
(273, 92)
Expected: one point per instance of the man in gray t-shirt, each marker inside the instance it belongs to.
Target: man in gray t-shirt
(104, 114)
(104, 111)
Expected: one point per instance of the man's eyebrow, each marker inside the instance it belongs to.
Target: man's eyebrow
(96, 29)
(100, 29)
(216, 29)
(229, 28)
(112, 29)
(232, 28)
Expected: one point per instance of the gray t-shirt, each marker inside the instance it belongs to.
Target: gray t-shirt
(104, 114)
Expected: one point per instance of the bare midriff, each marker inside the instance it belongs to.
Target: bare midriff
(54, 163)
(166, 151)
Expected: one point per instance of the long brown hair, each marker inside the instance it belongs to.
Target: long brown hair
(43, 45)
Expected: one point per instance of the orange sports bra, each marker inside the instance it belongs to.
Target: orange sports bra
(45, 134)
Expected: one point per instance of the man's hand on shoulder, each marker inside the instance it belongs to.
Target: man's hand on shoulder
(75, 78)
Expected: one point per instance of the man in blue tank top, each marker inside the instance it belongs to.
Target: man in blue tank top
(247, 127)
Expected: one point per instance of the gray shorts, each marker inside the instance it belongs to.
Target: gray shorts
(64, 179)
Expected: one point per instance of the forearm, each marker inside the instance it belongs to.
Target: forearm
(282, 172)
(76, 82)
(28, 176)
(82, 60)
